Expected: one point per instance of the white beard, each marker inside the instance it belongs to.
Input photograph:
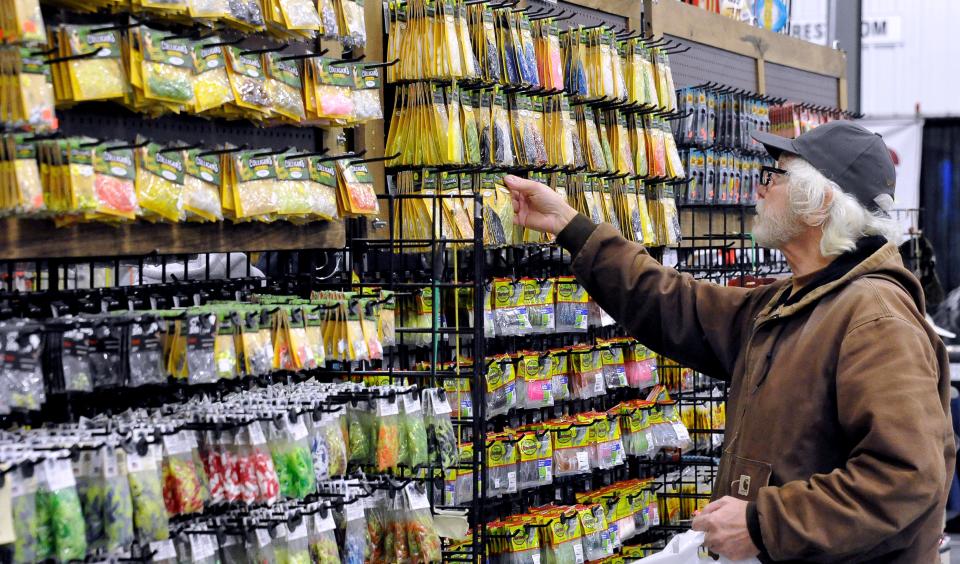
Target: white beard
(775, 229)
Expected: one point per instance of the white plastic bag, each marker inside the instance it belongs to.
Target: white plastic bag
(684, 549)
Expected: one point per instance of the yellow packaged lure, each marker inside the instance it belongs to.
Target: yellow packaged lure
(160, 177)
(167, 69)
(245, 71)
(211, 85)
(22, 22)
(114, 186)
(333, 89)
(294, 186)
(22, 190)
(351, 22)
(99, 75)
(254, 194)
(366, 95)
(201, 186)
(300, 15)
(284, 87)
(323, 197)
(357, 196)
(79, 179)
(208, 9)
(27, 89)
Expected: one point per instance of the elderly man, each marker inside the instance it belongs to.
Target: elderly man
(838, 445)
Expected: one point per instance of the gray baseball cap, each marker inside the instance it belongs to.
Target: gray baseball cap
(846, 153)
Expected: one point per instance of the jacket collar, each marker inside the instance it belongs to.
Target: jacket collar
(868, 265)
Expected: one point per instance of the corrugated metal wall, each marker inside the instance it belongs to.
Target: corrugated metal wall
(924, 68)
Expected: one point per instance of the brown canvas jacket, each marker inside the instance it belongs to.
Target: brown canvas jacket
(838, 421)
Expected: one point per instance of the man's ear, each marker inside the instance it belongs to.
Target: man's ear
(827, 199)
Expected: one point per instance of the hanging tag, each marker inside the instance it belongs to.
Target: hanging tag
(411, 403)
(256, 434)
(163, 550)
(416, 498)
(201, 546)
(583, 463)
(59, 474)
(323, 524)
(299, 430)
(299, 532)
(535, 557)
(598, 384)
(578, 551)
(387, 407)
(354, 511)
(263, 537)
(511, 482)
(440, 406)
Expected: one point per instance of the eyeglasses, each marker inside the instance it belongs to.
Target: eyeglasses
(767, 172)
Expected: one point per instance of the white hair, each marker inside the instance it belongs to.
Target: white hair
(843, 220)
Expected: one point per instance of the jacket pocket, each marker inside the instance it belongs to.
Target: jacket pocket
(746, 477)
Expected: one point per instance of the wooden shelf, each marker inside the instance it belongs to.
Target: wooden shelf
(695, 24)
(27, 239)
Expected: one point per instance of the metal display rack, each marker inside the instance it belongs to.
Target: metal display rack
(96, 266)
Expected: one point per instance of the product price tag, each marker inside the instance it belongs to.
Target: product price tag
(230, 540)
(256, 434)
(682, 434)
(388, 408)
(411, 403)
(263, 537)
(535, 558)
(299, 430)
(598, 384)
(578, 551)
(323, 524)
(416, 498)
(175, 444)
(583, 463)
(354, 511)
(163, 550)
(511, 482)
(299, 532)
(201, 546)
(440, 406)
(108, 461)
(59, 474)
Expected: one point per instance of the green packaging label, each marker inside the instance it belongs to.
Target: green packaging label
(208, 57)
(206, 168)
(322, 173)
(292, 167)
(167, 165)
(88, 38)
(252, 165)
(286, 72)
(158, 49)
(114, 162)
(248, 65)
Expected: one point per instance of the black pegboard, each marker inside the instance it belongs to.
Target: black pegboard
(703, 63)
(801, 86)
(111, 121)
